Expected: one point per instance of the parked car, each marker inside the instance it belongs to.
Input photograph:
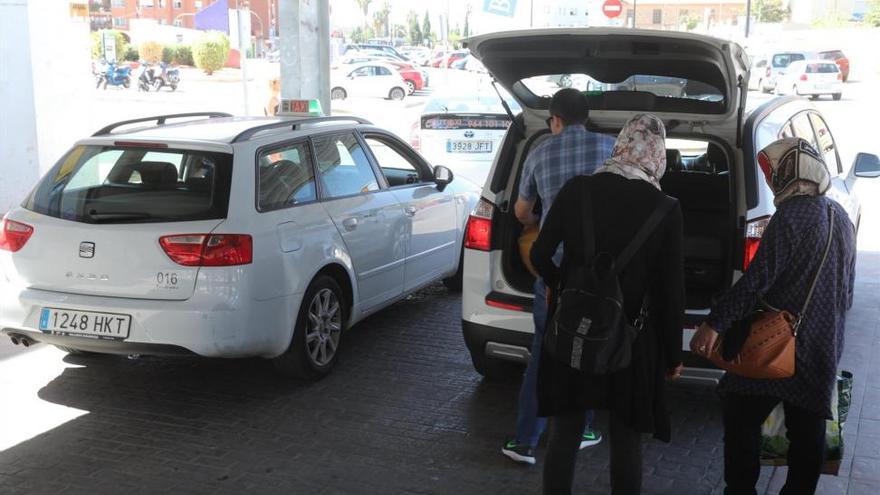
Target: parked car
(387, 49)
(415, 79)
(758, 73)
(838, 58)
(227, 237)
(777, 63)
(811, 78)
(713, 141)
(419, 55)
(463, 132)
(372, 79)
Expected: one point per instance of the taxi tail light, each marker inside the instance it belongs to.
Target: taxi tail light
(14, 235)
(208, 249)
(479, 227)
(754, 232)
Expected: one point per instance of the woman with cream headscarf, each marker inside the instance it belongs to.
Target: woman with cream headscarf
(624, 193)
(780, 276)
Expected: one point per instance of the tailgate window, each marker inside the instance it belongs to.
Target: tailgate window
(107, 184)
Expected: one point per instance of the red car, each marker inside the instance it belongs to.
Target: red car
(413, 79)
(840, 59)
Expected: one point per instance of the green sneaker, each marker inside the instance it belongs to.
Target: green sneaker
(590, 437)
(522, 454)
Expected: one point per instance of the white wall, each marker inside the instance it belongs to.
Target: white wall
(41, 81)
(143, 30)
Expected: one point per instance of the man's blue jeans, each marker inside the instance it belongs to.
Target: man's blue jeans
(529, 426)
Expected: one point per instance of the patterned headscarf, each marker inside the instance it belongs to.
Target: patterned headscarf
(640, 150)
(793, 167)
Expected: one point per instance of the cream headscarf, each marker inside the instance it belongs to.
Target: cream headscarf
(793, 167)
(640, 150)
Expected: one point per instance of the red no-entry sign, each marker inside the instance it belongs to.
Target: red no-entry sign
(612, 8)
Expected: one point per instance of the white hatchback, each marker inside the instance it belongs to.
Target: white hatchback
(369, 79)
(227, 237)
(811, 78)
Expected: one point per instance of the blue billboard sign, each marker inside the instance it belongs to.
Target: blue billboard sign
(500, 7)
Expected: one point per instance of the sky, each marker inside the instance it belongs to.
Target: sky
(346, 14)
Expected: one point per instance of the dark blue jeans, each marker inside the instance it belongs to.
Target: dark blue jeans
(529, 426)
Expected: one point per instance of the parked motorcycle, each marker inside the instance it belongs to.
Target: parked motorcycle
(146, 77)
(116, 76)
(168, 76)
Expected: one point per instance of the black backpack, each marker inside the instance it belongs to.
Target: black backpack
(589, 330)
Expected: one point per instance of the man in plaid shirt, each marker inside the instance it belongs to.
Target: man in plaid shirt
(569, 152)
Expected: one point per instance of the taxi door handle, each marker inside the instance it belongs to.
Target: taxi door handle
(350, 223)
(410, 211)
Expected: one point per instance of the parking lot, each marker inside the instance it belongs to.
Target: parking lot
(404, 412)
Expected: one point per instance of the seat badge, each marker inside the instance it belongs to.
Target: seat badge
(468, 134)
(87, 250)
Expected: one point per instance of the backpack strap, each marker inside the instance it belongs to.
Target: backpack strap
(653, 221)
(587, 214)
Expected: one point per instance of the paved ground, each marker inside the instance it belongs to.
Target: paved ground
(403, 413)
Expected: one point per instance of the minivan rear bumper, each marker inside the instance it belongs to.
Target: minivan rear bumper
(508, 345)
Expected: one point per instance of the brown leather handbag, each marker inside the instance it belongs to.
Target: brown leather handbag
(768, 351)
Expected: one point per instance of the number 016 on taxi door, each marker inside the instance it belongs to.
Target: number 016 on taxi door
(85, 323)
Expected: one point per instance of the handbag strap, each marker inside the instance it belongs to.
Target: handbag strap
(800, 318)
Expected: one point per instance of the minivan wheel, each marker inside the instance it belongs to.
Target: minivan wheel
(317, 336)
(397, 94)
(497, 370)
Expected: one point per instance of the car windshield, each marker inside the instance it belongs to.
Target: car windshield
(110, 184)
(662, 86)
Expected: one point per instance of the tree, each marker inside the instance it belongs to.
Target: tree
(210, 51)
(151, 51)
(872, 17)
(365, 8)
(415, 31)
(426, 28)
(771, 11)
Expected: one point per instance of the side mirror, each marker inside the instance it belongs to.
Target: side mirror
(442, 177)
(867, 165)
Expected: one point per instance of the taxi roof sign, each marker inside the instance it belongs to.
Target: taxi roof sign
(301, 108)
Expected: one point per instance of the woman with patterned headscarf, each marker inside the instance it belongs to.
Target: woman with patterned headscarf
(623, 194)
(790, 255)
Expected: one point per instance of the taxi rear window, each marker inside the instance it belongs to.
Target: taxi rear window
(116, 184)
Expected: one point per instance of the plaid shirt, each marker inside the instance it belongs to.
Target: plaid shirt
(573, 152)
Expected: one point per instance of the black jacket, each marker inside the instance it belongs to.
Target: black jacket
(621, 206)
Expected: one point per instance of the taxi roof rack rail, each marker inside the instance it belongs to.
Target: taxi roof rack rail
(159, 119)
(293, 124)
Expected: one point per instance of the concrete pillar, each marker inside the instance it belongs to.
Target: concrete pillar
(304, 29)
(44, 73)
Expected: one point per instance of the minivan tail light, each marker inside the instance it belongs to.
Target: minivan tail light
(803, 77)
(479, 227)
(14, 235)
(208, 249)
(754, 233)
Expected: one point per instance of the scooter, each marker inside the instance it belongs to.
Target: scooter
(117, 76)
(168, 76)
(146, 77)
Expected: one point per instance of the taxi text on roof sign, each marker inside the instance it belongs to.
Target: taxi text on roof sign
(301, 108)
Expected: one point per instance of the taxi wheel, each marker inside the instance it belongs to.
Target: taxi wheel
(314, 348)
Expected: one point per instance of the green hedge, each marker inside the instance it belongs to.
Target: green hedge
(210, 51)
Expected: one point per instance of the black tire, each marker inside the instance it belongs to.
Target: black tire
(173, 86)
(814, 97)
(497, 370)
(837, 96)
(410, 87)
(126, 82)
(397, 94)
(338, 94)
(298, 361)
(455, 282)
(98, 84)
